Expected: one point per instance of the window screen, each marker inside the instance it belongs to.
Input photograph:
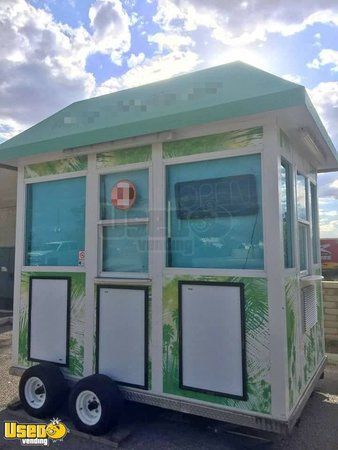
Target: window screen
(310, 315)
(55, 222)
(214, 214)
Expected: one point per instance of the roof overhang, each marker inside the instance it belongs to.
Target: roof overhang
(304, 127)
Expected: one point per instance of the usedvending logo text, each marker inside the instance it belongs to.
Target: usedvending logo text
(34, 434)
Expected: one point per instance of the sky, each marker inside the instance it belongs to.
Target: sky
(55, 52)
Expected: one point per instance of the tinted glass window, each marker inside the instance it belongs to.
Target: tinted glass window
(214, 214)
(124, 244)
(125, 248)
(301, 198)
(303, 246)
(285, 197)
(139, 178)
(55, 222)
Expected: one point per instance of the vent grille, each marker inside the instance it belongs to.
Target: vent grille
(309, 307)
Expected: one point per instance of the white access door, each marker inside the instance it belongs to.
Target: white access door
(212, 338)
(49, 319)
(122, 334)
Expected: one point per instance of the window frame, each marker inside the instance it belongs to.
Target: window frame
(43, 179)
(315, 232)
(290, 191)
(102, 223)
(205, 156)
(307, 224)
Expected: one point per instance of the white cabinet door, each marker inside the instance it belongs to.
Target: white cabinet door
(212, 337)
(49, 320)
(122, 325)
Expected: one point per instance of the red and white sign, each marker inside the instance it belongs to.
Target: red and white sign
(123, 194)
(81, 258)
(82, 255)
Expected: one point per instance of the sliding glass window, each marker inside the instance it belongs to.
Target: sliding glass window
(286, 200)
(123, 225)
(303, 223)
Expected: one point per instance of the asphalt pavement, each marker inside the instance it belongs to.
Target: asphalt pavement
(149, 428)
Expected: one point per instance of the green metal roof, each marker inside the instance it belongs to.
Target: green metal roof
(230, 90)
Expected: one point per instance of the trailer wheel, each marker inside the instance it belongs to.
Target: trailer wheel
(42, 390)
(95, 404)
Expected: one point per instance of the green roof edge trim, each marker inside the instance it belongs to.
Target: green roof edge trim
(295, 96)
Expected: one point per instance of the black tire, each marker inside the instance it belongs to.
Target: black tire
(110, 399)
(54, 386)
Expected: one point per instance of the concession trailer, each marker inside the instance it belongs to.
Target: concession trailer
(167, 251)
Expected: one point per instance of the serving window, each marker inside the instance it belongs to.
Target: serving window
(123, 225)
(303, 223)
(315, 222)
(214, 214)
(286, 200)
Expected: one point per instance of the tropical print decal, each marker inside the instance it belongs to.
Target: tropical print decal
(314, 339)
(60, 166)
(215, 142)
(125, 156)
(305, 350)
(149, 338)
(295, 377)
(257, 344)
(77, 320)
(284, 141)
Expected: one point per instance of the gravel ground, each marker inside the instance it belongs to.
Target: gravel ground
(8, 383)
(153, 428)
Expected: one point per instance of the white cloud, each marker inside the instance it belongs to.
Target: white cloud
(111, 32)
(329, 229)
(241, 23)
(325, 57)
(135, 60)
(328, 201)
(8, 128)
(43, 62)
(171, 41)
(330, 213)
(293, 78)
(157, 68)
(328, 190)
(325, 99)
(42, 65)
